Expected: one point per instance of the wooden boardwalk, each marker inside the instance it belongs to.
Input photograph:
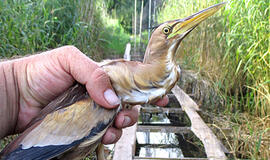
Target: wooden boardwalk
(125, 147)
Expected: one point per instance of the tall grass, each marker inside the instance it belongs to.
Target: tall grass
(248, 54)
(231, 48)
(30, 26)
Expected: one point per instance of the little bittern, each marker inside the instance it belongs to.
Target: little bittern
(71, 126)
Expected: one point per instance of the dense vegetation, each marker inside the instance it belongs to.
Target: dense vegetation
(32, 26)
(232, 50)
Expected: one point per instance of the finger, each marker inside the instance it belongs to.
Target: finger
(112, 135)
(75, 63)
(100, 89)
(87, 72)
(163, 101)
(127, 117)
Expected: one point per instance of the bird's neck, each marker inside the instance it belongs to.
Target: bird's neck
(170, 69)
(139, 83)
(163, 59)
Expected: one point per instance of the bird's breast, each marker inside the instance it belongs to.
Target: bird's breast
(140, 83)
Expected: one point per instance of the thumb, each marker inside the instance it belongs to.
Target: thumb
(100, 89)
(87, 72)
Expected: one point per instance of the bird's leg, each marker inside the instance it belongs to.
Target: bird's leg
(100, 152)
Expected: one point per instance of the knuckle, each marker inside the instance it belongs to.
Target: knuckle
(100, 75)
(72, 48)
(72, 52)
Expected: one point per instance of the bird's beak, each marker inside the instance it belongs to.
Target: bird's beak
(182, 27)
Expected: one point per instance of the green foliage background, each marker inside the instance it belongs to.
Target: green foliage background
(29, 26)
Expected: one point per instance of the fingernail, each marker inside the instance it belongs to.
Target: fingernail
(127, 121)
(112, 138)
(111, 97)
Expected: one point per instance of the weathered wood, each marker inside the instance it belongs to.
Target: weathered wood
(155, 124)
(213, 147)
(150, 158)
(147, 145)
(163, 129)
(125, 147)
(174, 103)
(161, 110)
(127, 52)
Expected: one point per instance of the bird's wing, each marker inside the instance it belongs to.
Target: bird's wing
(63, 127)
(70, 96)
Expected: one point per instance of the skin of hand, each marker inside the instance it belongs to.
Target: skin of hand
(30, 83)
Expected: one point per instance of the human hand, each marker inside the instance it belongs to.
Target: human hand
(37, 80)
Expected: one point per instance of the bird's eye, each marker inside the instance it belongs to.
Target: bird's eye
(166, 30)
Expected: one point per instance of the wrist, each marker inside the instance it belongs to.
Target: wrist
(9, 97)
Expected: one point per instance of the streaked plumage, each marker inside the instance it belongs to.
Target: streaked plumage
(72, 125)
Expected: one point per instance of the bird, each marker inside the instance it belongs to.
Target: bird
(72, 125)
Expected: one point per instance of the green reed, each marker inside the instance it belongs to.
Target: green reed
(231, 48)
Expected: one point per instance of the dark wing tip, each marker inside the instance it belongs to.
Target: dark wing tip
(36, 153)
(52, 151)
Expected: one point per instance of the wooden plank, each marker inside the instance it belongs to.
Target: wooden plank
(127, 52)
(161, 110)
(155, 124)
(147, 145)
(152, 158)
(125, 147)
(213, 147)
(163, 129)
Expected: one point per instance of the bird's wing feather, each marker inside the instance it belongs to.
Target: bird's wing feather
(61, 129)
(70, 96)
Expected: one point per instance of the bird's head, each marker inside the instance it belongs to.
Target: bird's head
(166, 38)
